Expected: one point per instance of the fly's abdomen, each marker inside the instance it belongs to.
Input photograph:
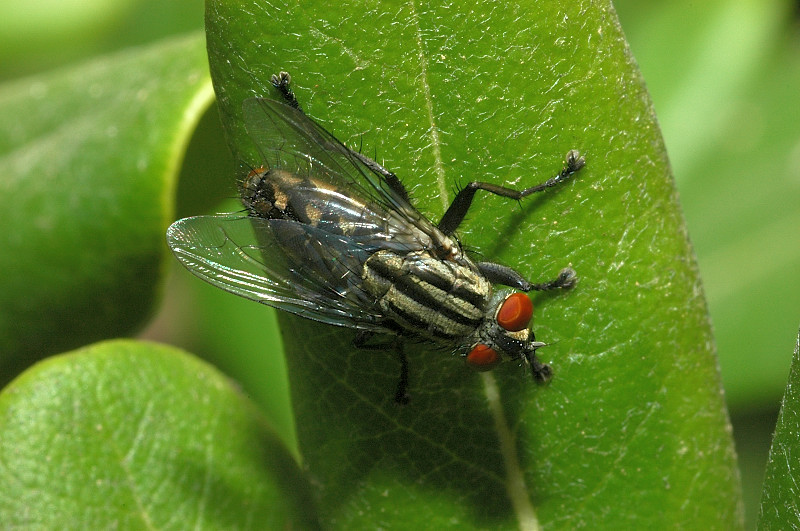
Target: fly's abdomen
(439, 300)
(268, 194)
(280, 194)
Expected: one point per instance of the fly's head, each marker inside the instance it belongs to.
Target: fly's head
(505, 333)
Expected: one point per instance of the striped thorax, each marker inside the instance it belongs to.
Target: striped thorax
(451, 304)
(437, 299)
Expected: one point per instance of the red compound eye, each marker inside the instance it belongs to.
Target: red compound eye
(482, 358)
(516, 312)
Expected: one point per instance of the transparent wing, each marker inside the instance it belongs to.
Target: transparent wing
(335, 212)
(284, 264)
(290, 140)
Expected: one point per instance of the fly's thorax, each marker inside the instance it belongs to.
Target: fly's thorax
(504, 333)
(435, 299)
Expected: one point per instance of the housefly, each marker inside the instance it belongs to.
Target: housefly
(331, 235)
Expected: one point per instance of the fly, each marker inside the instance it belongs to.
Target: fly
(331, 235)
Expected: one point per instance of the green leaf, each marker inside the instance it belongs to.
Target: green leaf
(632, 432)
(238, 337)
(779, 498)
(89, 158)
(741, 209)
(744, 210)
(134, 435)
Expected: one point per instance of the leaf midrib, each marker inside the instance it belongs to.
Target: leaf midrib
(514, 483)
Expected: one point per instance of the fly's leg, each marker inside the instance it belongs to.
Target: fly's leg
(282, 82)
(500, 274)
(361, 341)
(542, 372)
(390, 178)
(401, 393)
(460, 205)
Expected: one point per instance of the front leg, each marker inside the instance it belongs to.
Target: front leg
(460, 205)
(500, 274)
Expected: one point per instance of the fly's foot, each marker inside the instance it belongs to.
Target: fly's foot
(282, 82)
(574, 161)
(541, 372)
(566, 279)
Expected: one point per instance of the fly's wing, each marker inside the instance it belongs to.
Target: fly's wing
(281, 263)
(290, 140)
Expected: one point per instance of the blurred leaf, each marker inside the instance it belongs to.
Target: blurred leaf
(732, 132)
(134, 435)
(632, 432)
(89, 157)
(237, 336)
(780, 499)
(37, 36)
